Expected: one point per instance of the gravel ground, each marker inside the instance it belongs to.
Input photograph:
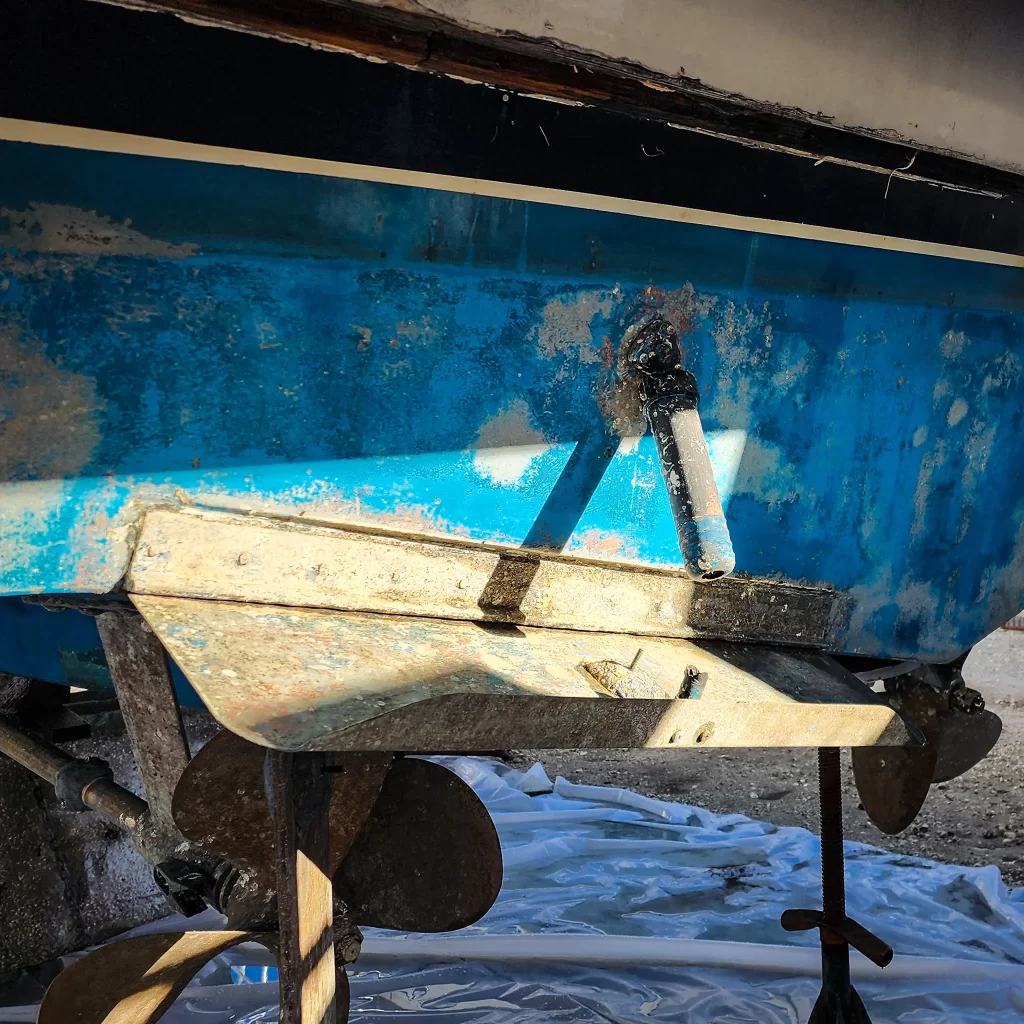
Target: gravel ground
(975, 819)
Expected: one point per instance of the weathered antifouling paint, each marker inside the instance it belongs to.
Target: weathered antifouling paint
(339, 349)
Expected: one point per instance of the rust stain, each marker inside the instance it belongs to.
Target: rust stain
(49, 418)
(419, 519)
(681, 307)
(420, 331)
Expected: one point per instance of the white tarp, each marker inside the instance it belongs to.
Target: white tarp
(603, 889)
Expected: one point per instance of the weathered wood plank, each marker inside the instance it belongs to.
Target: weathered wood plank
(145, 692)
(300, 797)
(300, 679)
(238, 558)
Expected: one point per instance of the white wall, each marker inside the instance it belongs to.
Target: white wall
(948, 74)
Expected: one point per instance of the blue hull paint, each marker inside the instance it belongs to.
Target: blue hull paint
(439, 361)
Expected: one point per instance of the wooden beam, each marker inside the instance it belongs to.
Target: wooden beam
(231, 557)
(145, 691)
(309, 679)
(300, 798)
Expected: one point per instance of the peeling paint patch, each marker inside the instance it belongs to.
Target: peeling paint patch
(49, 418)
(929, 463)
(565, 327)
(104, 533)
(420, 331)
(52, 227)
(622, 410)
(978, 450)
(28, 509)
(920, 435)
(764, 474)
(1000, 585)
(957, 411)
(365, 335)
(1006, 371)
(787, 377)
(682, 307)
(952, 344)
(732, 326)
(507, 444)
(603, 544)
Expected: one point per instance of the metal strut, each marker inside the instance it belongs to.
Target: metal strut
(80, 784)
(838, 1002)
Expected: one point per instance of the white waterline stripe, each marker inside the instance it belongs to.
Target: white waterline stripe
(41, 133)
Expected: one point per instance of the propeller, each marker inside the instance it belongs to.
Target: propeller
(411, 848)
(135, 981)
(965, 740)
(893, 782)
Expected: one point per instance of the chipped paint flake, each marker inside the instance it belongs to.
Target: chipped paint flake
(51, 227)
(566, 326)
(957, 411)
(952, 344)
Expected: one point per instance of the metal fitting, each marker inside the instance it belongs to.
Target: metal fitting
(74, 778)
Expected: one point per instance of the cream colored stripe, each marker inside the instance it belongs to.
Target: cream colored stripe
(15, 130)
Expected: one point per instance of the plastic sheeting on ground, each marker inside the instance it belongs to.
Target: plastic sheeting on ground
(595, 861)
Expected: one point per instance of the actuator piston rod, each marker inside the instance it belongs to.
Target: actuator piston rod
(670, 398)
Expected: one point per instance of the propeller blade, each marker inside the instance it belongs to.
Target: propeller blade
(965, 740)
(417, 849)
(428, 859)
(220, 802)
(135, 981)
(893, 782)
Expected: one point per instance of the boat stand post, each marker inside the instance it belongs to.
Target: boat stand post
(838, 1002)
(145, 692)
(299, 791)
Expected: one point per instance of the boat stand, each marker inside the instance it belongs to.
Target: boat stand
(838, 1002)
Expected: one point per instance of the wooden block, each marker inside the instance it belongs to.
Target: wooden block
(300, 799)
